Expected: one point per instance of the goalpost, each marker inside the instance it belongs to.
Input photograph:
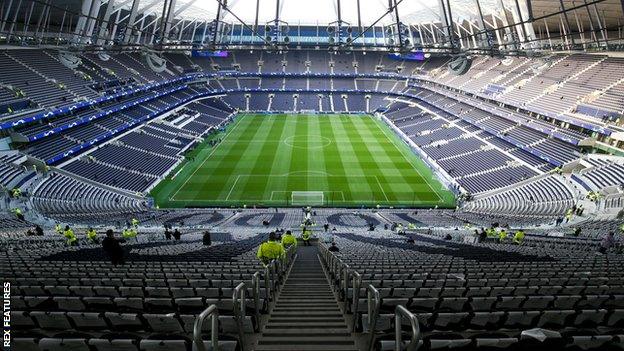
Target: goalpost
(307, 198)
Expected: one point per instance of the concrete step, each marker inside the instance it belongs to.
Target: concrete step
(309, 325)
(329, 309)
(306, 348)
(306, 303)
(298, 320)
(307, 331)
(305, 340)
(306, 300)
(301, 314)
(306, 315)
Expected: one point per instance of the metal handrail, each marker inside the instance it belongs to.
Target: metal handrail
(414, 343)
(267, 282)
(373, 311)
(345, 281)
(256, 295)
(357, 283)
(238, 301)
(198, 343)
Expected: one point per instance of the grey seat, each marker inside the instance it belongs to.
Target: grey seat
(124, 321)
(423, 304)
(478, 291)
(593, 342)
(486, 320)
(163, 345)
(495, 343)
(157, 292)
(454, 304)
(21, 320)
(482, 303)
(521, 319)
(616, 318)
(114, 345)
(509, 302)
(51, 320)
(429, 292)
(131, 291)
(590, 317)
(84, 291)
(87, 321)
(109, 291)
(164, 323)
(25, 344)
(129, 303)
(54, 344)
(101, 303)
(35, 302)
(70, 303)
(450, 320)
(537, 302)
(565, 302)
(592, 301)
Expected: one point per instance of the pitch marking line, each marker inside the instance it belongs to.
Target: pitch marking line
(382, 189)
(410, 162)
(232, 188)
(206, 159)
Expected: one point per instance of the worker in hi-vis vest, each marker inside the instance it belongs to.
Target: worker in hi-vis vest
(270, 250)
(289, 240)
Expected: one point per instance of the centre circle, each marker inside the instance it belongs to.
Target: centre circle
(307, 142)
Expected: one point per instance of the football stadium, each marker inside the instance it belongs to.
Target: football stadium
(363, 175)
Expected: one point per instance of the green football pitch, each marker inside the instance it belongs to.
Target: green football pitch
(297, 160)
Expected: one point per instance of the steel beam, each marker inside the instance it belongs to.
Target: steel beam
(131, 21)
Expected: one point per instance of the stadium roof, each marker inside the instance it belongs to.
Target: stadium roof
(523, 24)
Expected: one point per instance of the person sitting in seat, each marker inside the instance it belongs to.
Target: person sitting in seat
(333, 247)
(270, 250)
(289, 240)
(606, 243)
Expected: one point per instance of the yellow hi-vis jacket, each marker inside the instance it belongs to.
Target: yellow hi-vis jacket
(306, 235)
(91, 234)
(128, 233)
(502, 236)
(518, 237)
(71, 237)
(270, 250)
(288, 240)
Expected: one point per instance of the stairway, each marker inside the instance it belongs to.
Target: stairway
(306, 315)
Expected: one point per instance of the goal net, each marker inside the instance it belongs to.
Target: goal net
(307, 198)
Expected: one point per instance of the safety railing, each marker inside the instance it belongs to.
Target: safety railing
(269, 280)
(344, 274)
(275, 270)
(374, 302)
(238, 301)
(357, 283)
(256, 296)
(198, 343)
(400, 313)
